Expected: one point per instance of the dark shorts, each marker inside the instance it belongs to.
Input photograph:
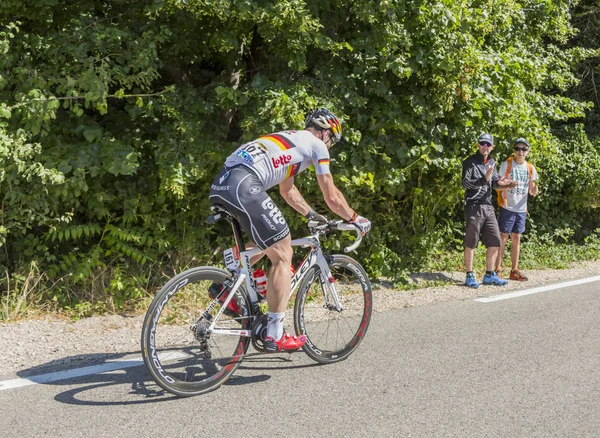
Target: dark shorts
(481, 218)
(243, 195)
(511, 222)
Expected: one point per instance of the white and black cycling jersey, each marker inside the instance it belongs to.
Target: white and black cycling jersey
(279, 156)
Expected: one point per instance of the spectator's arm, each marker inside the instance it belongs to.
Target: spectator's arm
(471, 178)
(533, 188)
(494, 179)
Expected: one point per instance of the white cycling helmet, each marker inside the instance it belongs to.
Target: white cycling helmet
(325, 119)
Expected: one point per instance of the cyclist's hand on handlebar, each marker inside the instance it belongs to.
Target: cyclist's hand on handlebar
(363, 223)
(314, 216)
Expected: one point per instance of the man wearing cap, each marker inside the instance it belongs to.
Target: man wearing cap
(479, 178)
(513, 204)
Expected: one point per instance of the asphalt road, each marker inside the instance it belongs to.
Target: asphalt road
(521, 367)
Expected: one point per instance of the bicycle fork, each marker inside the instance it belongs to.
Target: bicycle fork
(327, 282)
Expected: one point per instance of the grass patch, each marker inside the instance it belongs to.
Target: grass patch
(411, 283)
(537, 252)
(31, 293)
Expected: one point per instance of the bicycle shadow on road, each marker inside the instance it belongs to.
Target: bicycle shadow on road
(142, 386)
(92, 389)
(274, 362)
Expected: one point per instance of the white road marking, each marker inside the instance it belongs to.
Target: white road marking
(70, 374)
(537, 290)
(79, 372)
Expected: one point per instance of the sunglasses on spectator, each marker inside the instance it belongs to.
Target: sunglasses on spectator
(486, 144)
(517, 149)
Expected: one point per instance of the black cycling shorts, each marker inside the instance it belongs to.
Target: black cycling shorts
(242, 194)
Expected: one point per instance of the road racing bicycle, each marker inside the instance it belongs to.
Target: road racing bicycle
(192, 344)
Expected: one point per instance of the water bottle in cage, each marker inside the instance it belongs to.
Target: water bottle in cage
(260, 279)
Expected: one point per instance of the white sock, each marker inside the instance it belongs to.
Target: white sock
(275, 325)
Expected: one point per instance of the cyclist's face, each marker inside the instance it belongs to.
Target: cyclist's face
(327, 139)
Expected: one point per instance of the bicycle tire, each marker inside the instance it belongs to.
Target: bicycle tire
(332, 335)
(174, 353)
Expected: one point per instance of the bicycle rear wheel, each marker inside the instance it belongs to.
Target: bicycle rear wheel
(333, 335)
(179, 352)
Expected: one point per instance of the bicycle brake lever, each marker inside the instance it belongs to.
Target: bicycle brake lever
(342, 226)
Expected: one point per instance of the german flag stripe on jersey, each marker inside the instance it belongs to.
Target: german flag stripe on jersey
(284, 144)
(293, 170)
(324, 162)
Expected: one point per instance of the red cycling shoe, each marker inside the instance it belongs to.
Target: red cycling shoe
(286, 343)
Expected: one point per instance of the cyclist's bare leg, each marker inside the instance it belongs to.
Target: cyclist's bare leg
(278, 292)
(254, 259)
(279, 281)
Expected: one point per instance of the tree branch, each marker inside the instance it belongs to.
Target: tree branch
(53, 98)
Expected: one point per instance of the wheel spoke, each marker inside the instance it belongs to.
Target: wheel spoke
(178, 351)
(333, 335)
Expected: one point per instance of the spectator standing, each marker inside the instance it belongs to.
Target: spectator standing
(479, 178)
(513, 205)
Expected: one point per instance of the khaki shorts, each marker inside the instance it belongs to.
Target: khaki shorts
(481, 218)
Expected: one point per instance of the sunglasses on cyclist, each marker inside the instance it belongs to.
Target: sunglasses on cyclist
(486, 144)
(520, 149)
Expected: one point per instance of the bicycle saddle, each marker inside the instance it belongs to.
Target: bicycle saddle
(219, 214)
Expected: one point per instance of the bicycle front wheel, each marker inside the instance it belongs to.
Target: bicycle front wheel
(333, 335)
(180, 352)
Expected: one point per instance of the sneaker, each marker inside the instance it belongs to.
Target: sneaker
(233, 309)
(493, 279)
(286, 343)
(517, 275)
(471, 281)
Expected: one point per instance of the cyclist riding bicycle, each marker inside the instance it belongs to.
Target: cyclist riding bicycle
(241, 188)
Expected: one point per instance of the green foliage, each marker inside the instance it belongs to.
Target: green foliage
(554, 250)
(115, 116)
(557, 251)
(586, 20)
(21, 290)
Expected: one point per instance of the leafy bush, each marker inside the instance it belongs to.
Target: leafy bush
(115, 116)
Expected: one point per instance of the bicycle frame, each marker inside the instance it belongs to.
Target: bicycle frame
(314, 257)
(189, 351)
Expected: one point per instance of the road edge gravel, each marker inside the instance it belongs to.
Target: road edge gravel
(34, 346)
